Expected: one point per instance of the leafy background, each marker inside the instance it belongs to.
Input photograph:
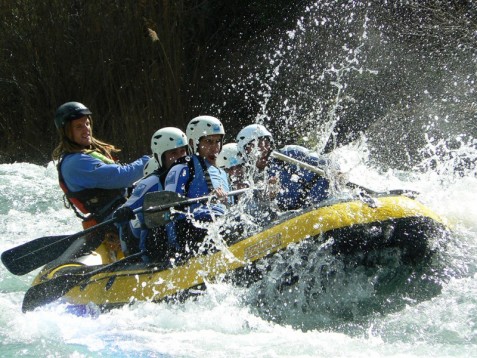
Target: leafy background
(296, 66)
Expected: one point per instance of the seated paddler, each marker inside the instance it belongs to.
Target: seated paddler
(289, 185)
(299, 187)
(198, 176)
(93, 181)
(168, 145)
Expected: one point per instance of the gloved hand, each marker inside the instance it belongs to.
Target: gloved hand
(123, 214)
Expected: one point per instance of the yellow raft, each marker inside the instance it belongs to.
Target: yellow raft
(354, 225)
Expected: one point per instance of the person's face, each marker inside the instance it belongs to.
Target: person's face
(80, 131)
(236, 176)
(171, 155)
(210, 147)
(262, 154)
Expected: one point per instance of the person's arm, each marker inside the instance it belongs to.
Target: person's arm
(141, 188)
(82, 171)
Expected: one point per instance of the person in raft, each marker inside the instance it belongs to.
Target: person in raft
(168, 145)
(198, 176)
(93, 181)
(297, 187)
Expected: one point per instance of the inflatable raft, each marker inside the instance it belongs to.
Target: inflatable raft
(357, 225)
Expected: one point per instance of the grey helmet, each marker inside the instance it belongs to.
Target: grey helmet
(150, 166)
(69, 111)
(166, 139)
(252, 133)
(229, 156)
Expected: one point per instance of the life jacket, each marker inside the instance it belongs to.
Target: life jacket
(160, 173)
(199, 180)
(94, 204)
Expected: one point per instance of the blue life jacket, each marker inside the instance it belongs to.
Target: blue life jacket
(196, 178)
(299, 187)
(137, 227)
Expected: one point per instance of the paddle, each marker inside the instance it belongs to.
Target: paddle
(55, 288)
(29, 256)
(322, 173)
(36, 253)
(159, 215)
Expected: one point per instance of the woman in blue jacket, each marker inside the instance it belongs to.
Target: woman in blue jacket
(93, 181)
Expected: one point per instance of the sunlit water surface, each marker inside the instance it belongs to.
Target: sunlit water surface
(436, 317)
(226, 320)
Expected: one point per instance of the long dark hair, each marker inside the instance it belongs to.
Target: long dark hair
(66, 145)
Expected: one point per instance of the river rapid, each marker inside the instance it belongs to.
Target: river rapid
(412, 127)
(225, 321)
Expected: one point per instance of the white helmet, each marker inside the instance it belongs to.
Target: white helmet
(202, 126)
(150, 166)
(252, 133)
(166, 139)
(229, 156)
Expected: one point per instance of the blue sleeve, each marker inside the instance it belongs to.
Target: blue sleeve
(136, 201)
(82, 171)
(298, 184)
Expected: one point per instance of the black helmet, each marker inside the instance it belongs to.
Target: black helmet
(69, 111)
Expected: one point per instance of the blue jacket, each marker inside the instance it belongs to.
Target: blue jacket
(137, 226)
(83, 171)
(94, 184)
(190, 180)
(299, 187)
(194, 185)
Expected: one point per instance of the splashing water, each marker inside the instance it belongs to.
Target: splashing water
(273, 315)
(336, 308)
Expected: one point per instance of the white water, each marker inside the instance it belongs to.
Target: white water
(222, 323)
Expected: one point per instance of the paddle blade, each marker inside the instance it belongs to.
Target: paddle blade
(36, 253)
(49, 291)
(160, 200)
(55, 288)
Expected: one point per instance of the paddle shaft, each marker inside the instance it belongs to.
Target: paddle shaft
(33, 254)
(185, 202)
(410, 193)
(36, 253)
(316, 170)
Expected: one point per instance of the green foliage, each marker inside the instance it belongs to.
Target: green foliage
(138, 65)
(145, 64)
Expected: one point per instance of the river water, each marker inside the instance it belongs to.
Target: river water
(424, 143)
(224, 321)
